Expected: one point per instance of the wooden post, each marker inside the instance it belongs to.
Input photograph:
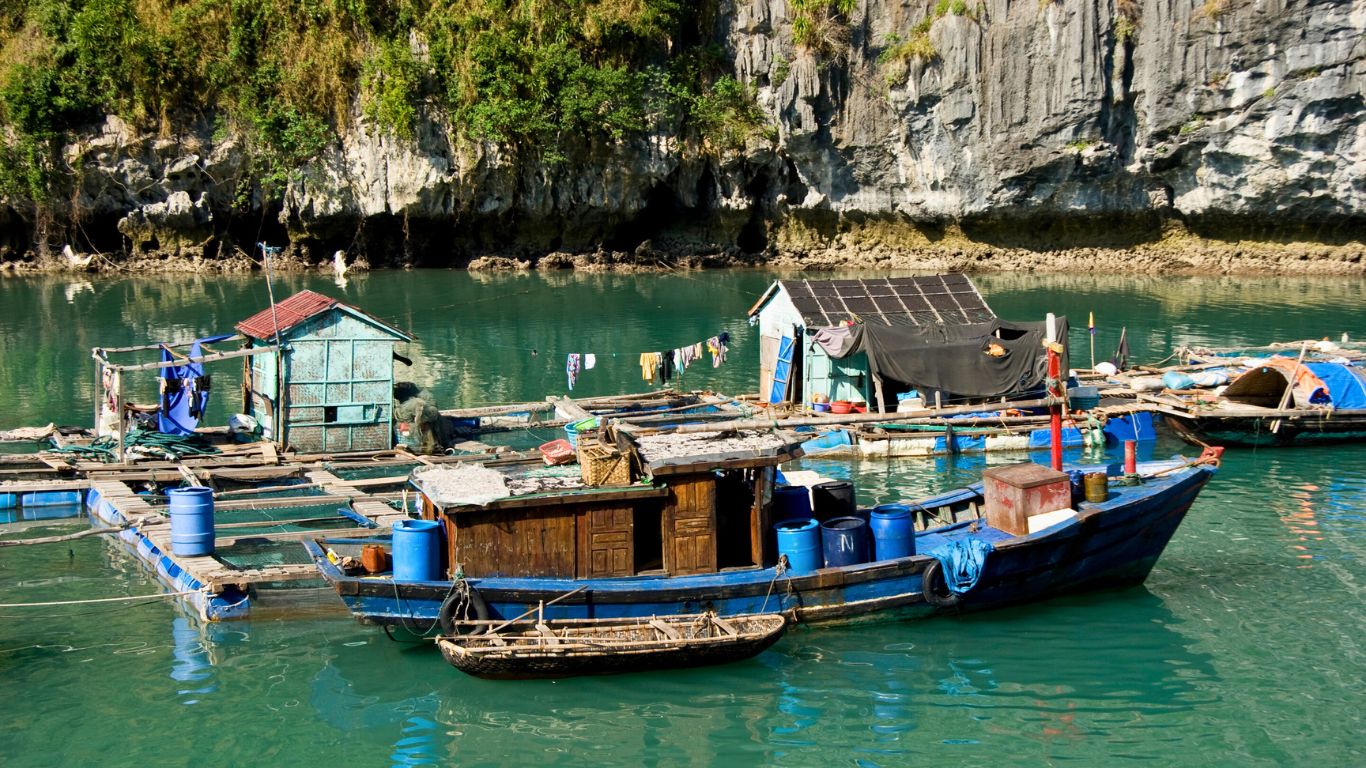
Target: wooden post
(118, 405)
(877, 392)
(1290, 389)
(99, 392)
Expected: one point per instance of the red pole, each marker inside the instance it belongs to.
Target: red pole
(1130, 457)
(1055, 410)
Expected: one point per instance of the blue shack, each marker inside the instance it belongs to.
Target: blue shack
(330, 387)
(794, 368)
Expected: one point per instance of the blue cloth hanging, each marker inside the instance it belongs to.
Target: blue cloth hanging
(184, 390)
(961, 560)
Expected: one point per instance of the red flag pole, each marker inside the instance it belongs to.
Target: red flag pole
(1055, 392)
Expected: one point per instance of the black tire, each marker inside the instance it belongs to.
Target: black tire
(931, 582)
(462, 604)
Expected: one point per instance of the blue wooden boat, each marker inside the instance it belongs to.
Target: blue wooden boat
(693, 538)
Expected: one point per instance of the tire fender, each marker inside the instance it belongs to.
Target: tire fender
(931, 582)
(462, 604)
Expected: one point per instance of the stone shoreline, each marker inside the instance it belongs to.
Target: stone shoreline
(1176, 256)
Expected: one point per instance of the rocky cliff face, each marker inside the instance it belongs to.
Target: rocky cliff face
(1012, 128)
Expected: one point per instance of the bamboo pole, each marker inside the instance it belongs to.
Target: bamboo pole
(1290, 388)
(832, 420)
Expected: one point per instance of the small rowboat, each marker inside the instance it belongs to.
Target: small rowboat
(568, 647)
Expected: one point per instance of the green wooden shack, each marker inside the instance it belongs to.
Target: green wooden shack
(331, 386)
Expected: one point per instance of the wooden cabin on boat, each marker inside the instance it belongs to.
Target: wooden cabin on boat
(793, 367)
(704, 507)
(331, 387)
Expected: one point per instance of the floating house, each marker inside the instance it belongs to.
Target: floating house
(331, 385)
(793, 367)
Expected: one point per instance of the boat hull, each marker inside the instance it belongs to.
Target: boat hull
(609, 657)
(1256, 431)
(1110, 544)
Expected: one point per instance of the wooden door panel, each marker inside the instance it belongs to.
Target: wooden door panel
(690, 527)
(608, 540)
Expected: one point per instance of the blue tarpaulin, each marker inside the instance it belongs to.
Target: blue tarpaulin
(1346, 385)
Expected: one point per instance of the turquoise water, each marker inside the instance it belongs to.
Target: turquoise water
(1243, 648)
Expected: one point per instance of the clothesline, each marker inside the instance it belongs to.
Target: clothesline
(663, 364)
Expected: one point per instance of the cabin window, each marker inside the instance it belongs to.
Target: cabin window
(329, 414)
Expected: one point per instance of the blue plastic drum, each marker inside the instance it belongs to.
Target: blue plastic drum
(417, 550)
(791, 502)
(893, 531)
(844, 541)
(800, 540)
(191, 521)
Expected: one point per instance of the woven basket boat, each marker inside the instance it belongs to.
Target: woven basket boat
(570, 647)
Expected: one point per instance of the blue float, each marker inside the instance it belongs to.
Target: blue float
(417, 550)
(893, 531)
(191, 521)
(844, 541)
(800, 541)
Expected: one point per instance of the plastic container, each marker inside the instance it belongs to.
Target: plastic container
(800, 541)
(858, 407)
(1083, 398)
(1097, 487)
(841, 406)
(820, 407)
(893, 531)
(791, 501)
(833, 498)
(571, 431)
(844, 541)
(1076, 479)
(417, 550)
(191, 512)
(557, 452)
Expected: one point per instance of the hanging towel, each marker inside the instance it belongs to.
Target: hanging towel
(571, 369)
(589, 360)
(962, 561)
(649, 362)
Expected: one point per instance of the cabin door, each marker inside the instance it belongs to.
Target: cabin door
(690, 527)
(607, 540)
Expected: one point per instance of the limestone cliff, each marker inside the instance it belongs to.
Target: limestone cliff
(1005, 130)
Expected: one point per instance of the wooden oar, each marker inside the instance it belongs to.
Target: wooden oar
(538, 607)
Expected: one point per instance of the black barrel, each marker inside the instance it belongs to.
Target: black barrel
(833, 498)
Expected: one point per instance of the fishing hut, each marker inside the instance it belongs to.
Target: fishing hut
(329, 386)
(793, 367)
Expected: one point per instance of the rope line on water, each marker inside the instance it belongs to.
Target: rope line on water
(100, 600)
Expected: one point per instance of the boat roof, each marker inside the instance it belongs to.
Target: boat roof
(670, 453)
(483, 485)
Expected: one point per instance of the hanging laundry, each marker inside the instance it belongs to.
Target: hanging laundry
(589, 360)
(649, 364)
(571, 369)
(666, 366)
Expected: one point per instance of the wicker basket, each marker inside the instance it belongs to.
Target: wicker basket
(601, 466)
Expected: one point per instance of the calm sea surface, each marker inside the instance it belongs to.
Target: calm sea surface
(1244, 647)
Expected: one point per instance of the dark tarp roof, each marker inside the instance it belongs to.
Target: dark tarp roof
(954, 358)
(906, 301)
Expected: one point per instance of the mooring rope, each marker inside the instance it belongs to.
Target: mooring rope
(100, 600)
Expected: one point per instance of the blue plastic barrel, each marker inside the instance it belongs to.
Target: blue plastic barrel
(791, 502)
(893, 531)
(417, 550)
(800, 540)
(844, 541)
(191, 521)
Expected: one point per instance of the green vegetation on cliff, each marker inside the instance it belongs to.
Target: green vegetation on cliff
(545, 77)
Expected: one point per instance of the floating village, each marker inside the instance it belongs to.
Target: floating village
(664, 528)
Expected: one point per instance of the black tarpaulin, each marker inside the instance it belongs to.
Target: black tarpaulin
(955, 358)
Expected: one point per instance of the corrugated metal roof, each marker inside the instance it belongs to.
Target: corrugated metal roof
(930, 300)
(294, 311)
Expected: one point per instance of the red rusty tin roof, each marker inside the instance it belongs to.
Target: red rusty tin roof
(295, 310)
